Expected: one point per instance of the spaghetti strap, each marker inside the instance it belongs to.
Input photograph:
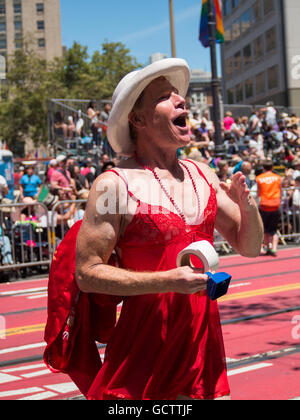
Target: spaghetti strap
(125, 182)
(199, 170)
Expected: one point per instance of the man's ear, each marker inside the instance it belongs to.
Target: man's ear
(136, 119)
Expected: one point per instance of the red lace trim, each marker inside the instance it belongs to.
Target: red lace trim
(160, 225)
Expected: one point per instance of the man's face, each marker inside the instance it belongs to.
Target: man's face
(163, 114)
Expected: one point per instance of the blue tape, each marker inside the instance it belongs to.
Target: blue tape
(217, 284)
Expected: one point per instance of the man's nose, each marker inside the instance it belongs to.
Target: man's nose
(179, 100)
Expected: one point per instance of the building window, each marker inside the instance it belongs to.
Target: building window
(3, 44)
(227, 35)
(2, 8)
(2, 24)
(234, 3)
(273, 77)
(246, 21)
(268, 6)
(257, 11)
(40, 7)
(258, 47)
(237, 61)
(18, 25)
(226, 8)
(247, 54)
(41, 43)
(236, 30)
(239, 93)
(40, 25)
(271, 39)
(230, 96)
(17, 7)
(228, 66)
(249, 88)
(260, 83)
(18, 44)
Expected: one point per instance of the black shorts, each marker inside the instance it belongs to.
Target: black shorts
(270, 220)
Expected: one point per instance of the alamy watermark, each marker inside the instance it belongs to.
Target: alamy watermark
(2, 328)
(110, 200)
(296, 329)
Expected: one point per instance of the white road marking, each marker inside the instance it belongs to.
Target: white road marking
(40, 396)
(63, 388)
(38, 373)
(28, 367)
(37, 296)
(229, 360)
(4, 378)
(248, 368)
(238, 285)
(22, 291)
(16, 392)
(20, 348)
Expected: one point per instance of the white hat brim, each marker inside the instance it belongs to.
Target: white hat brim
(176, 71)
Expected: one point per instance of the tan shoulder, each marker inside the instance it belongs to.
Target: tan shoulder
(209, 173)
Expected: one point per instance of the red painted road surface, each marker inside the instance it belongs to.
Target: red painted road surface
(263, 353)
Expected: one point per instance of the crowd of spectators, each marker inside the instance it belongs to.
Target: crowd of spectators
(247, 143)
(24, 228)
(89, 129)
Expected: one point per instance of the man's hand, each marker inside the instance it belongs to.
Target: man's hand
(238, 191)
(187, 280)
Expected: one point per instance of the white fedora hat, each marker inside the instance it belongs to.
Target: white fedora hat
(175, 70)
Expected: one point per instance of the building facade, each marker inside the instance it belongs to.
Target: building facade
(261, 53)
(156, 57)
(199, 91)
(38, 19)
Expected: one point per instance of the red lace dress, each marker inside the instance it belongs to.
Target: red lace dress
(167, 344)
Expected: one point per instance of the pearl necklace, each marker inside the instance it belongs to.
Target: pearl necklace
(179, 211)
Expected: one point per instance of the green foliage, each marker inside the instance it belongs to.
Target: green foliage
(31, 81)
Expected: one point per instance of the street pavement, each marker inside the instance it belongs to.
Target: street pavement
(260, 318)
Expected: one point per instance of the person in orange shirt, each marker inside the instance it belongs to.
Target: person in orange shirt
(269, 192)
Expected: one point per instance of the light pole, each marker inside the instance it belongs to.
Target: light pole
(172, 30)
(214, 79)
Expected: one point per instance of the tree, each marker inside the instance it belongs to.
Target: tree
(23, 109)
(31, 82)
(105, 69)
(110, 66)
(75, 65)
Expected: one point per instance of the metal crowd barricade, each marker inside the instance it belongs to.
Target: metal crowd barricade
(289, 228)
(24, 243)
(32, 243)
(58, 225)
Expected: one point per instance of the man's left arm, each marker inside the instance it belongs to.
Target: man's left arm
(238, 219)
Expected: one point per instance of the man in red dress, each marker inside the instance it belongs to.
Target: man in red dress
(168, 342)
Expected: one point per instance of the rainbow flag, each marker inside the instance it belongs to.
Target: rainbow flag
(203, 33)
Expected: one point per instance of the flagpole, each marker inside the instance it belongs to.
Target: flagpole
(214, 79)
(172, 30)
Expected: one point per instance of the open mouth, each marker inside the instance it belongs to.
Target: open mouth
(180, 121)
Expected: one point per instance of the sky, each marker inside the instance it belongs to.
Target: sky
(143, 26)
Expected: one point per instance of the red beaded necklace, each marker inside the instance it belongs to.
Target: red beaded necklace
(179, 211)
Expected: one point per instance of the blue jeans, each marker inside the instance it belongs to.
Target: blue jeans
(5, 249)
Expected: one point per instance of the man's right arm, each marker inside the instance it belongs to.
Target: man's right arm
(97, 239)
